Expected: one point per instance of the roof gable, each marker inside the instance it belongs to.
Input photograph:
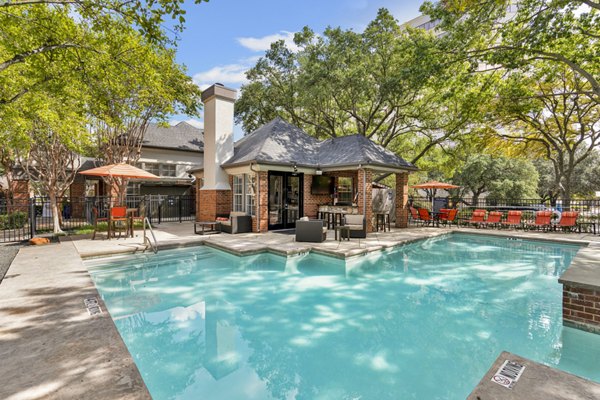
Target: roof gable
(282, 143)
(276, 142)
(182, 136)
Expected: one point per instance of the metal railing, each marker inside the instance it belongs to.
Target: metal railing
(152, 243)
(588, 209)
(22, 219)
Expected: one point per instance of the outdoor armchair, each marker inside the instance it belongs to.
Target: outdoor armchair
(311, 230)
(238, 222)
(357, 223)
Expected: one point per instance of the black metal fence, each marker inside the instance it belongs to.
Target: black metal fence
(589, 209)
(23, 219)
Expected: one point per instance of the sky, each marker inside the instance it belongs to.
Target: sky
(224, 38)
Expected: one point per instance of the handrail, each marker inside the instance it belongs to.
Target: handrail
(147, 240)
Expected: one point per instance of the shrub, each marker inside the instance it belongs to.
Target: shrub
(14, 220)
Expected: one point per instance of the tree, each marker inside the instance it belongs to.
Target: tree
(138, 81)
(585, 182)
(503, 34)
(499, 177)
(388, 83)
(546, 112)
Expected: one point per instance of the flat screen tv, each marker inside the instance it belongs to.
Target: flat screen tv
(322, 185)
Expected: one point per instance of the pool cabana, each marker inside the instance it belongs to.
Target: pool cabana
(279, 173)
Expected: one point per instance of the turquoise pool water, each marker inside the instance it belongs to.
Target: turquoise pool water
(423, 321)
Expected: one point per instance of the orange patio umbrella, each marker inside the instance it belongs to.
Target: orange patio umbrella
(122, 170)
(434, 185)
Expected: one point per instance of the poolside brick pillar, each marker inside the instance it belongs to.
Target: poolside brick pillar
(213, 203)
(365, 188)
(581, 307)
(261, 219)
(401, 200)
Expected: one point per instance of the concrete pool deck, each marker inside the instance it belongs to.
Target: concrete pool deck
(51, 348)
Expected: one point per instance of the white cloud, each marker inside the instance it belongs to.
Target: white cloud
(264, 43)
(230, 74)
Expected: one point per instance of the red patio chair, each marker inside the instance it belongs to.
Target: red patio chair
(425, 216)
(493, 218)
(118, 220)
(513, 219)
(96, 219)
(477, 217)
(543, 220)
(568, 220)
(450, 217)
(414, 214)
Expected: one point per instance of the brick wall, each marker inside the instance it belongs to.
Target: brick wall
(313, 201)
(401, 200)
(77, 193)
(581, 308)
(20, 193)
(366, 176)
(263, 203)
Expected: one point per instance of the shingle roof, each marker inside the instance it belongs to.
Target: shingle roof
(357, 149)
(279, 142)
(182, 136)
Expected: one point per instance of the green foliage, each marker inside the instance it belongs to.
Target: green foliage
(14, 220)
(499, 177)
(389, 83)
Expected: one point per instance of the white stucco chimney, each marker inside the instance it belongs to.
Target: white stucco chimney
(218, 135)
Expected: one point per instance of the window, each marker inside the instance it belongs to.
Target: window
(344, 190)
(244, 199)
(250, 198)
(133, 189)
(168, 170)
(152, 168)
(238, 193)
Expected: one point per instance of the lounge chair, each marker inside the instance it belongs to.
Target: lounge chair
(477, 218)
(357, 224)
(568, 220)
(448, 218)
(493, 219)
(238, 222)
(311, 230)
(513, 219)
(543, 220)
(425, 217)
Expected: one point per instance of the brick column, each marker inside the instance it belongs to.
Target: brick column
(213, 203)
(581, 308)
(366, 175)
(401, 200)
(77, 192)
(20, 194)
(263, 203)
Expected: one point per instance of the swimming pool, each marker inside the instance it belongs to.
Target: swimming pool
(421, 321)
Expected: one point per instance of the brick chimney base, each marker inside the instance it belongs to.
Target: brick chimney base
(213, 203)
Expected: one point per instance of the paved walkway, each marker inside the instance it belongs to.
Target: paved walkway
(50, 347)
(176, 234)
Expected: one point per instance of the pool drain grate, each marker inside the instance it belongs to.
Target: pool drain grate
(508, 374)
(93, 308)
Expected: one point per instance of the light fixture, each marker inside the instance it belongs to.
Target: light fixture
(295, 168)
(319, 171)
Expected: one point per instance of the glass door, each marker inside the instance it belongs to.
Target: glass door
(276, 200)
(285, 199)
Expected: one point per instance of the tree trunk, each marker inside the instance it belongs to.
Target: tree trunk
(55, 212)
(566, 198)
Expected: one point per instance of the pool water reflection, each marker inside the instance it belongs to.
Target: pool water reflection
(422, 321)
